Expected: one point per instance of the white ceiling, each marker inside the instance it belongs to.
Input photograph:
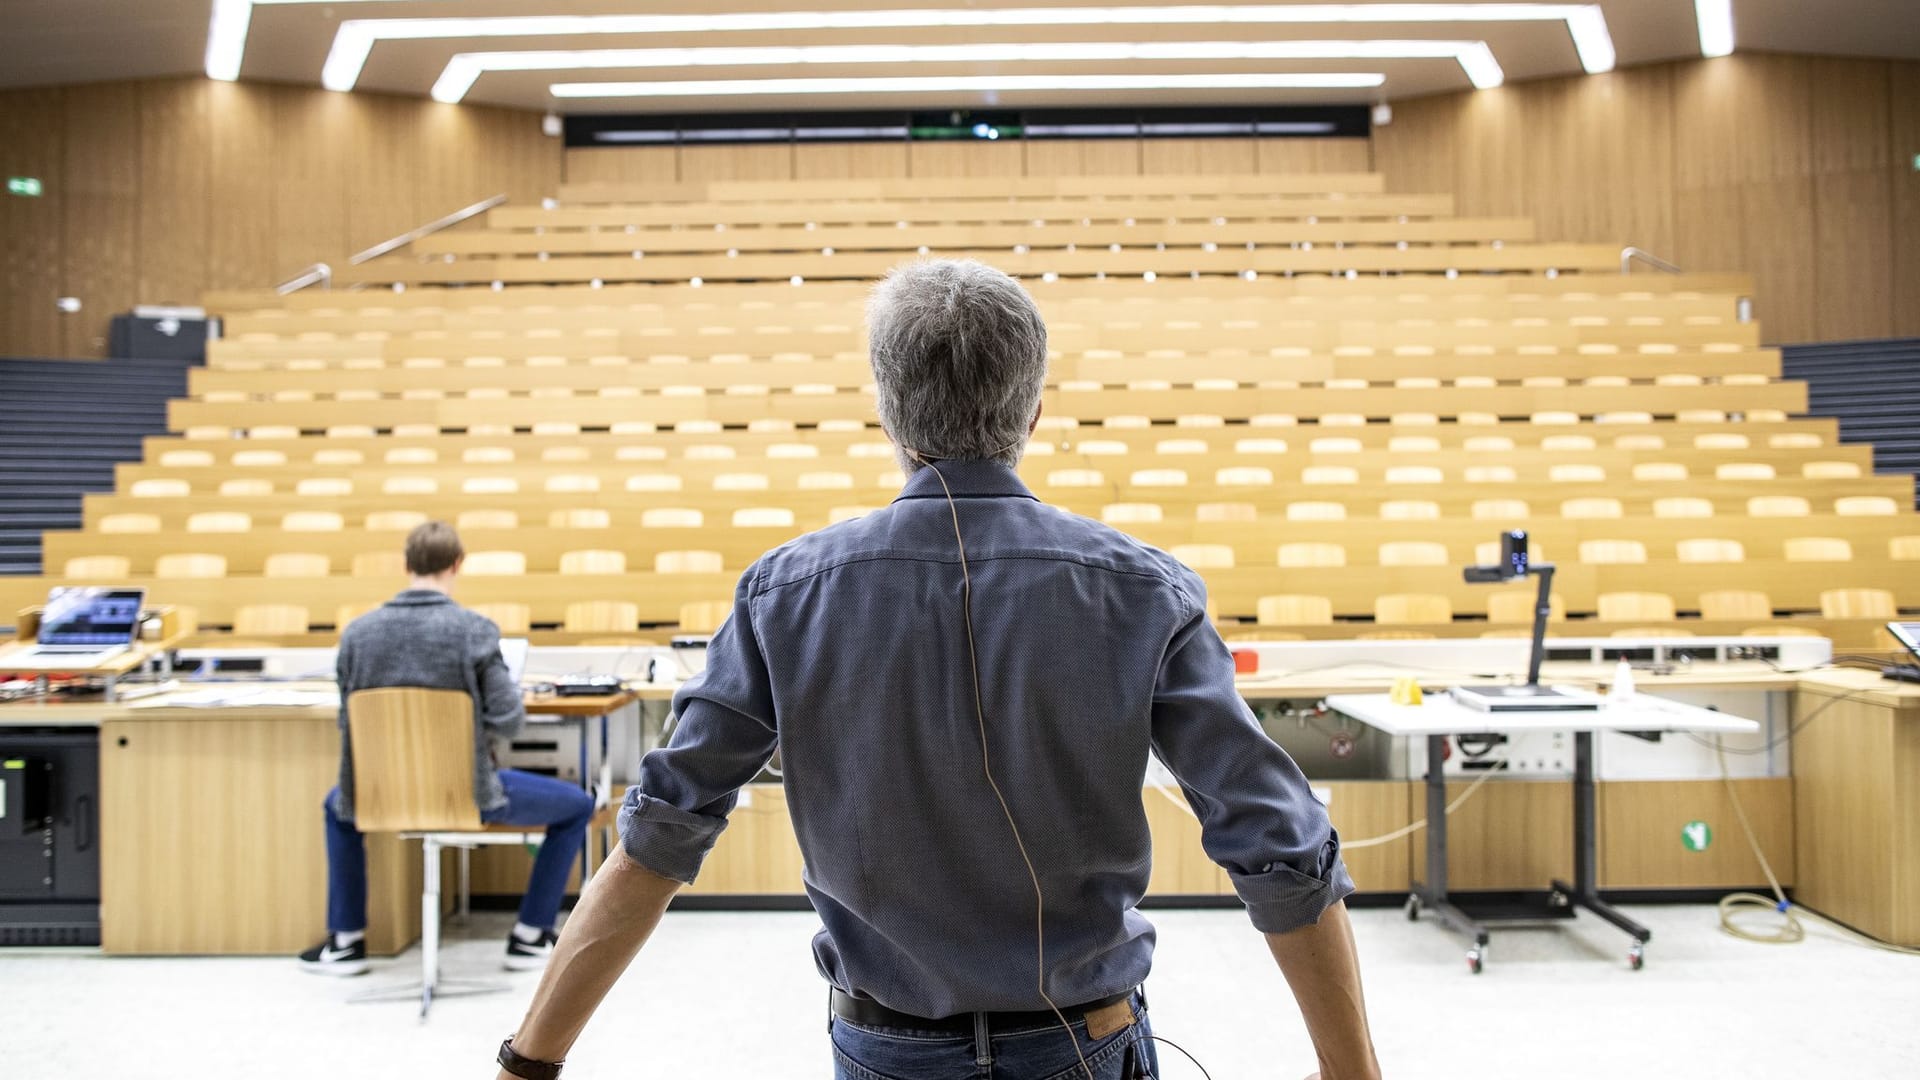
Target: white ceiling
(52, 42)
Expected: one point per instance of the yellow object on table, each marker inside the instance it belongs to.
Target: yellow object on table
(1406, 691)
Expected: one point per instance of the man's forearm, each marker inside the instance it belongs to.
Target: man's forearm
(615, 916)
(1322, 966)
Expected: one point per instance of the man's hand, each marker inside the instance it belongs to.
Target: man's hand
(615, 916)
(1323, 968)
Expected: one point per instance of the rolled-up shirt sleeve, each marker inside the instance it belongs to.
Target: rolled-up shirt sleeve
(724, 736)
(1258, 819)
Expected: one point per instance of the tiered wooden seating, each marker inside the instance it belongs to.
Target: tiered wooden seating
(645, 442)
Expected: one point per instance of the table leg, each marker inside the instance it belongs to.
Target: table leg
(1584, 893)
(1431, 895)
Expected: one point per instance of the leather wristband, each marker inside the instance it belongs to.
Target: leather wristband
(526, 1068)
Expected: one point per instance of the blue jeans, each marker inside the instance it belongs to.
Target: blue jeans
(1029, 1053)
(531, 800)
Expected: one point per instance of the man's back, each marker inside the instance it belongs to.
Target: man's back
(1093, 648)
(422, 638)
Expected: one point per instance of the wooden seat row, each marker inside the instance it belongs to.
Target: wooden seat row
(1264, 185)
(1356, 540)
(814, 404)
(1038, 235)
(1235, 592)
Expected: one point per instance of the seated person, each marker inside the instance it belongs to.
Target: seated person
(422, 638)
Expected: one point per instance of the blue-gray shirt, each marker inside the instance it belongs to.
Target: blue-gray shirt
(846, 652)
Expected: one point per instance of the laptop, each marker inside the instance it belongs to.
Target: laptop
(87, 624)
(514, 651)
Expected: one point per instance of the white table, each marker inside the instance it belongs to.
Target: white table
(1441, 716)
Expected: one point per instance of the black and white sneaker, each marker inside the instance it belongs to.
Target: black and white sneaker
(529, 955)
(327, 958)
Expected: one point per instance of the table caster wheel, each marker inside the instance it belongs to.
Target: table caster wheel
(1413, 909)
(1637, 957)
(1558, 899)
(1474, 961)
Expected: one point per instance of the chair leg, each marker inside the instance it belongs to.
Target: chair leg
(466, 885)
(429, 924)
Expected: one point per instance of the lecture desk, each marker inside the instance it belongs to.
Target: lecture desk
(212, 843)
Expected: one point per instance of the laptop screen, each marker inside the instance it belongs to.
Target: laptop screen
(1908, 634)
(514, 651)
(91, 616)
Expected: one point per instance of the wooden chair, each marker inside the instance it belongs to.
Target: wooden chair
(605, 616)
(487, 519)
(413, 753)
(1903, 548)
(580, 518)
(270, 620)
(1131, 513)
(1865, 506)
(1311, 553)
(1858, 604)
(1817, 549)
(510, 618)
(1683, 506)
(312, 521)
(671, 517)
(1316, 511)
(495, 564)
(1730, 604)
(130, 523)
(1635, 607)
(1612, 552)
(1287, 610)
(245, 489)
(1710, 550)
(1409, 510)
(1516, 606)
(346, 613)
(219, 521)
(98, 567)
(387, 564)
(1203, 556)
(1216, 512)
(190, 566)
(1509, 510)
(394, 520)
(1659, 472)
(687, 562)
(1778, 506)
(1413, 553)
(594, 562)
(1397, 608)
(1591, 509)
(704, 616)
(1830, 470)
(297, 564)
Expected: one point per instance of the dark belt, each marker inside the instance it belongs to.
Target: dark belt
(871, 1013)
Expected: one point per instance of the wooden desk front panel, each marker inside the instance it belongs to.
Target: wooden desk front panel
(213, 843)
(1857, 812)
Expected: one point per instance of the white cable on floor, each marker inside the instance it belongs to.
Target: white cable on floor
(1790, 929)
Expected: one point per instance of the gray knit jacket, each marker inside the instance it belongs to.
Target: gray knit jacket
(422, 638)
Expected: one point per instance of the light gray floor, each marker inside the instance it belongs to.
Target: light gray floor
(735, 995)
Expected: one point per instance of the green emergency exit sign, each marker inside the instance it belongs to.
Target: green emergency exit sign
(23, 185)
(1916, 163)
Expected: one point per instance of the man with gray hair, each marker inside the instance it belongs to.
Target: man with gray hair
(964, 689)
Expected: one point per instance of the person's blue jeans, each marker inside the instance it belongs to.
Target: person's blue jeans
(531, 800)
(861, 1052)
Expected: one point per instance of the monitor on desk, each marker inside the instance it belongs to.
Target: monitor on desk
(88, 615)
(514, 651)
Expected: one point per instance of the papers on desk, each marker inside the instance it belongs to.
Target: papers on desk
(243, 696)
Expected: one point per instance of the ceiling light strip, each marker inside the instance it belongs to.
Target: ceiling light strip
(1716, 26)
(916, 84)
(356, 37)
(465, 68)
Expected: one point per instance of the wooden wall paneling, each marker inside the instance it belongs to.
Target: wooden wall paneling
(965, 159)
(381, 145)
(704, 164)
(623, 165)
(309, 173)
(1845, 773)
(521, 160)
(444, 176)
(101, 207)
(1288, 156)
(176, 205)
(1513, 834)
(1640, 826)
(850, 161)
(1416, 151)
(1852, 199)
(241, 250)
(1083, 157)
(32, 143)
(1364, 809)
(1742, 178)
(1599, 163)
(1197, 157)
(1495, 150)
(1903, 149)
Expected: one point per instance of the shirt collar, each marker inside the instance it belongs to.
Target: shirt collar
(967, 479)
(419, 597)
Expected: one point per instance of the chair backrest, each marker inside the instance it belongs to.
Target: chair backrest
(1316, 511)
(1865, 506)
(510, 618)
(495, 564)
(1711, 550)
(1635, 607)
(270, 619)
(1817, 549)
(1203, 556)
(1294, 611)
(1517, 605)
(380, 564)
(412, 760)
(1225, 511)
(1411, 608)
(1683, 506)
(190, 566)
(1858, 604)
(704, 616)
(394, 520)
(602, 615)
(98, 566)
(593, 562)
(1305, 553)
(1735, 604)
(1612, 551)
(687, 562)
(487, 519)
(1413, 553)
(298, 564)
(580, 518)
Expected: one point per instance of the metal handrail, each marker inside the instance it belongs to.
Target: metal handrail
(431, 227)
(1628, 254)
(318, 273)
